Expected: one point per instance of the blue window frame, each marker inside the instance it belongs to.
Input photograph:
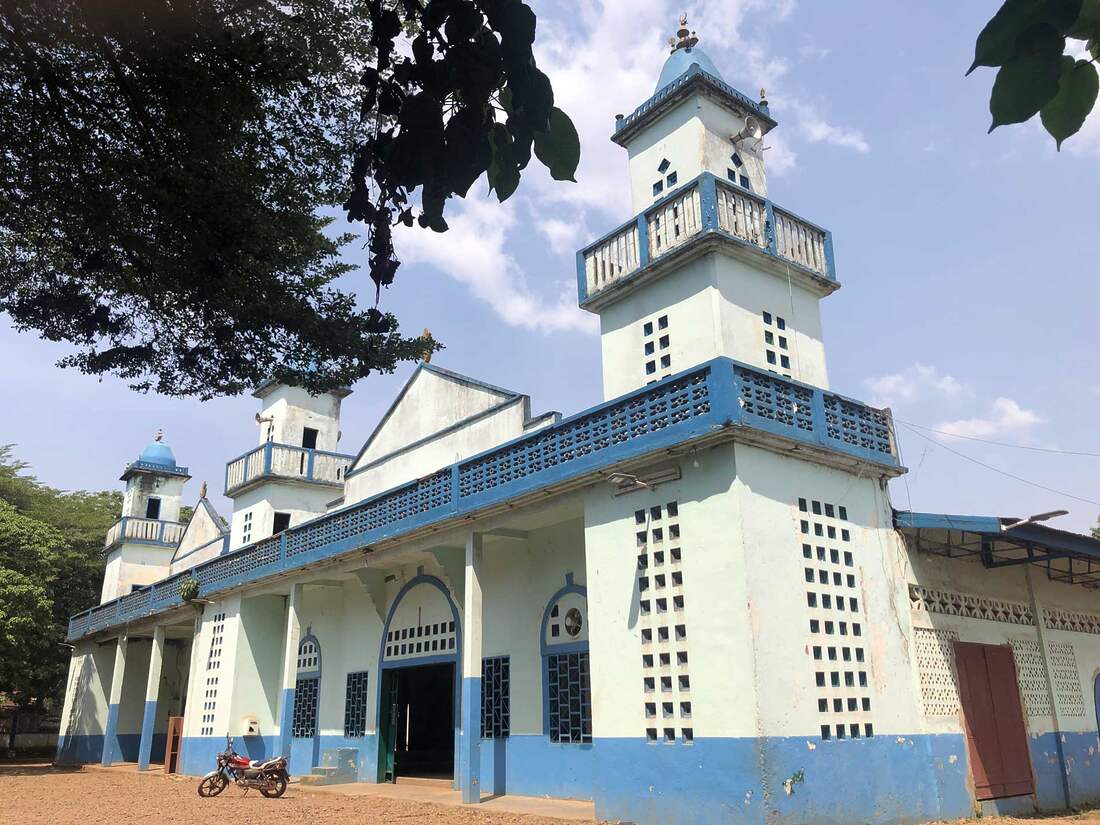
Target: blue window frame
(496, 697)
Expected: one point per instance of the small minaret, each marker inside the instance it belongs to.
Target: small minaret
(709, 266)
(296, 471)
(140, 545)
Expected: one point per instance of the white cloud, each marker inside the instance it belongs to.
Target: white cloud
(564, 236)
(472, 251)
(1006, 418)
(914, 383)
(813, 127)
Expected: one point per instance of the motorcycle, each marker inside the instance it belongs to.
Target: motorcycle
(270, 777)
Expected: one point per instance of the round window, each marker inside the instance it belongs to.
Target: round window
(573, 621)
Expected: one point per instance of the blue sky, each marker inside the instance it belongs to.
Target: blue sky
(968, 262)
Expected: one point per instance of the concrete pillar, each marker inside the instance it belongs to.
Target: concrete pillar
(1055, 717)
(152, 691)
(290, 667)
(470, 751)
(111, 750)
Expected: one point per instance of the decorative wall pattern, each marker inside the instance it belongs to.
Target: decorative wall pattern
(421, 639)
(666, 676)
(930, 600)
(836, 617)
(777, 350)
(569, 689)
(496, 717)
(656, 356)
(355, 705)
(1030, 676)
(939, 684)
(1071, 621)
(1066, 678)
(213, 664)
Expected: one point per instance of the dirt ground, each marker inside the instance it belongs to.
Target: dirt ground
(36, 794)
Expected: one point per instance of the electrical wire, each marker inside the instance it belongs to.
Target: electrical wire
(999, 443)
(997, 469)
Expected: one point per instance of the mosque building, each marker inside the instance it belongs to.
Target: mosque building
(692, 603)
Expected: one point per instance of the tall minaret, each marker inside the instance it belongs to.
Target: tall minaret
(295, 472)
(140, 545)
(709, 266)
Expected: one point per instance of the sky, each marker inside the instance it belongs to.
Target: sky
(968, 261)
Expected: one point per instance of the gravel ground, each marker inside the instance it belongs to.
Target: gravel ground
(39, 795)
(36, 794)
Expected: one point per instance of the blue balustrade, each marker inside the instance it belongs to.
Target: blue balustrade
(706, 206)
(272, 459)
(719, 396)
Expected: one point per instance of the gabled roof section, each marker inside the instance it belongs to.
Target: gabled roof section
(205, 527)
(433, 399)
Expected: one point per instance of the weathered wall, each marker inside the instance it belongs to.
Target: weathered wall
(292, 409)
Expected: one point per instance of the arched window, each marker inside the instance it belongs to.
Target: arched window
(567, 682)
(307, 686)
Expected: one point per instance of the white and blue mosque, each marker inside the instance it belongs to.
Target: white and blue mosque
(692, 603)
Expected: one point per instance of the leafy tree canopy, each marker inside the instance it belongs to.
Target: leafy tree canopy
(1026, 40)
(51, 566)
(171, 167)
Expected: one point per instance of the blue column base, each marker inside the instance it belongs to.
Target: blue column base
(145, 749)
(469, 769)
(111, 747)
(286, 723)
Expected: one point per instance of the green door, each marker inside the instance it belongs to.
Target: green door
(387, 741)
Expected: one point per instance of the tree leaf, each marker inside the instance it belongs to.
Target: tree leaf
(996, 43)
(559, 148)
(1087, 23)
(502, 173)
(1029, 79)
(1065, 114)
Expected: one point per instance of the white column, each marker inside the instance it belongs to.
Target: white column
(152, 691)
(111, 749)
(290, 667)
(470, 751)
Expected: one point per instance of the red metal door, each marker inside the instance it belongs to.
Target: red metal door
(996, 736)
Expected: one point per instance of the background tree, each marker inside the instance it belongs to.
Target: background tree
(171, 167)
(1026, 40)
(51, 566)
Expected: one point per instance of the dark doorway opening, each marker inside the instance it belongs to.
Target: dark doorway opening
(418, 707)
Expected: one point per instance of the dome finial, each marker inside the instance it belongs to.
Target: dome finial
(426, 336)
(202, 490)
(159, 436)
(685, 38)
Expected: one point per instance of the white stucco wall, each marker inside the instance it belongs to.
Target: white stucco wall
(202, 670)
(134, 564)
(714, 306)
(201, 532)
(292, 409)
(87, 689)
(302, 500)
(142, 486)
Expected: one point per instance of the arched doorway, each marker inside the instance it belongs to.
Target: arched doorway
(305, 743)
(419, 693)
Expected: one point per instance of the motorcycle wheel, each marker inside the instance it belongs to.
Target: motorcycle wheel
(277, 789)
(212, 785)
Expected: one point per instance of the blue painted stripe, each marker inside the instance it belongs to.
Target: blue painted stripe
(111, 749)
(286, 720)
(146, 747)
(469, 768)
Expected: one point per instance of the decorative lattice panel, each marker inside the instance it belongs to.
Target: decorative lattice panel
(309, 655)
(240, 563)
(1071, 621)
(213, 665)
(304, 721)
(355, 705)
(424, 639)
(661, 406)
(666, 676)
(939, 683)
(858, 425)
(1066, 678)
(496, 716)
(777, 349)
(421, 496)
(1030, 676)
(836, 620)
(656, 349)
(930, 600)
(775, 400)
(569, 690)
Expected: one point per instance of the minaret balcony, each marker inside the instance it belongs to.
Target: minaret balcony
(273, 461)
(144, 531)
(700, 215)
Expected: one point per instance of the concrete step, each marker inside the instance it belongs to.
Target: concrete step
(326, 779)
(325, 770)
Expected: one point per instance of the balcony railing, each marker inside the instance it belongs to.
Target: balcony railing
(144, 531)
(718, 396)
(286, 461)
(706, 204)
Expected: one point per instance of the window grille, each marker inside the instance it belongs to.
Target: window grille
(495, 697)
(570, 693)
(355, 705)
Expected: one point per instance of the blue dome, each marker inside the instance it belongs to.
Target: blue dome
(680, 61)
(158, 453)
